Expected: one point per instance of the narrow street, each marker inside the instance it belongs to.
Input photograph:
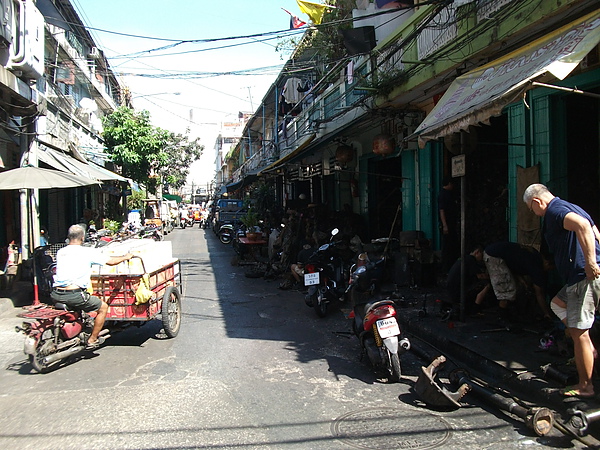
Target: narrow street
(252, 367)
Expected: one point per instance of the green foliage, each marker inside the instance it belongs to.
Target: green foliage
(324, 40)
(386, 82)
(251, 219)
(136, 200)
(145, 152)
(112, 225)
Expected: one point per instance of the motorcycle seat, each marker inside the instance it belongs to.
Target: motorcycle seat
(62, 306)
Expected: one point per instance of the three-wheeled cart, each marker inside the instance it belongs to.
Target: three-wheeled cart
(119, 292)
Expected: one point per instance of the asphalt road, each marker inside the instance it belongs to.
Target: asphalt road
(252, 367)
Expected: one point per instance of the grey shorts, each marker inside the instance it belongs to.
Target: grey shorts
(77, 300)
(582, 302)
(502, 279)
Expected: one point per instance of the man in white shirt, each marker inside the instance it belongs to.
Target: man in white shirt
(73, 271)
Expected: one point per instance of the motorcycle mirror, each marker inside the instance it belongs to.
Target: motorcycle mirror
(334, 231)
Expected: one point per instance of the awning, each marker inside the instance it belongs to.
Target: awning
(304, 142)
(247, 180)
(66, 163)
(482, 93)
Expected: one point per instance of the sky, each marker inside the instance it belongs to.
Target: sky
(131, 32)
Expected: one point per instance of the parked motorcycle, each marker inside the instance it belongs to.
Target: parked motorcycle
(45, 268)
(226, 233)
(150, 232)
(374, 321)
(325, 275)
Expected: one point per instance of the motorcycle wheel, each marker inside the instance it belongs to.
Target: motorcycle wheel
(320, 308)
(225, 238)
(41, 351)
(171, 312)
(393, 366)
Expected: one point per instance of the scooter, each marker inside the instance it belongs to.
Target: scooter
(374, 321)
(226, 233)
(186, 222)
(55, 334)
(325, 275)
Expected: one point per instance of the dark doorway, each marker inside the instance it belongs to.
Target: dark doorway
(583, 146)
(385, 194)
(487, 185)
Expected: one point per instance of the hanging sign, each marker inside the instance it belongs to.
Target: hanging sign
(458, 166)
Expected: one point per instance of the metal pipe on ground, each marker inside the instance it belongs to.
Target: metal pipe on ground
(540, 420)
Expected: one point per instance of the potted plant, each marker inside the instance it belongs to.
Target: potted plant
(251, 222)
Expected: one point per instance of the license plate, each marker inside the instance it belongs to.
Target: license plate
(388, 328)
(311, 278)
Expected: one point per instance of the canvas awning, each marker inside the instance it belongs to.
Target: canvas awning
(482, 93)
(62, 161)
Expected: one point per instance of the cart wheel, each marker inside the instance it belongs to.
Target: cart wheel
(171, 312)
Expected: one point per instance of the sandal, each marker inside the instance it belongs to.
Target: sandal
(572, 391)
(94, 345)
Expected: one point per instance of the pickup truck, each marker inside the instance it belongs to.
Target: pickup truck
(228, 211)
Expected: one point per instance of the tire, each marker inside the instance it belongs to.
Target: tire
(393, 366)
(320, 308)
(225, 238)
(171, 312)
(37, 360)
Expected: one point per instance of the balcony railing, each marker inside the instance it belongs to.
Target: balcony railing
(440, 31)
(323, 110)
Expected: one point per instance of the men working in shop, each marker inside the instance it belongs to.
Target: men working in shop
(505, 261)
(449, 217)
(477, 285)
(73, 271)
(574, 239)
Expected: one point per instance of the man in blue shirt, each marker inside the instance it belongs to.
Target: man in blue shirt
(575, 241)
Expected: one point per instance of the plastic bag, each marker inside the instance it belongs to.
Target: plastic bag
(143, 294)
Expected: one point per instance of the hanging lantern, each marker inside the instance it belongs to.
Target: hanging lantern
(383, 144)
(344, 153)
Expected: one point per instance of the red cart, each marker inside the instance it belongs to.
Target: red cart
(119, 292)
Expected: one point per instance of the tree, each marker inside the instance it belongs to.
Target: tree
(181, 153)
(147, 153)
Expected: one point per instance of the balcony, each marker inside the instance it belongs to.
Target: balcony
(407, 62)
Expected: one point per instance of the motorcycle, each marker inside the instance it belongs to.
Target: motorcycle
(374, 321)
(55, 334)
(325, 276)
(186, 222)
(226, 233)
(45, 270)
(150, 232)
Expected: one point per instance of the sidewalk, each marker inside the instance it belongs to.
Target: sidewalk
(21, 294)
(505, 354)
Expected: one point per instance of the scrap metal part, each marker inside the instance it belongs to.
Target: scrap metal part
(540, 420)
(581, 420)
(432, 393)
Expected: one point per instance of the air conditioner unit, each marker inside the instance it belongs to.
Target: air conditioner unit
(94, 53)
(27, 55)
(6, 22)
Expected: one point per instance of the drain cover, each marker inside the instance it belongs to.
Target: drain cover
(385, 428)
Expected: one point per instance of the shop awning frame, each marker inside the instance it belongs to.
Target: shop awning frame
(63, 162)
(482, 93)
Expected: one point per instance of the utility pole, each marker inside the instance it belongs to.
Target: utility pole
(250, 96)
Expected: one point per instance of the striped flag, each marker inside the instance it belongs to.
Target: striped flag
(295, 22)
